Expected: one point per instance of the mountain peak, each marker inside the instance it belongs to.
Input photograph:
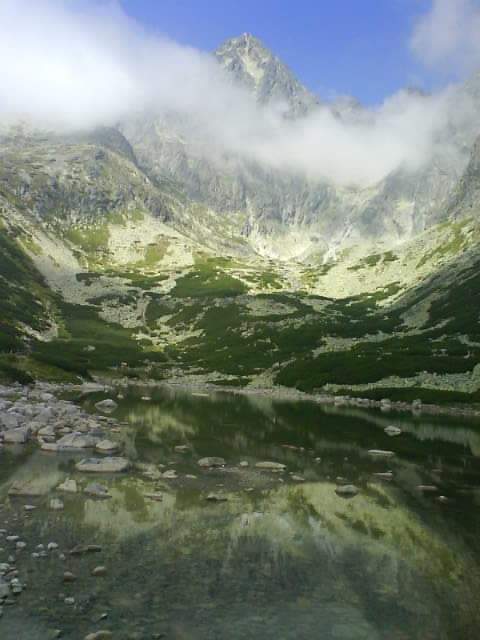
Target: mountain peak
(254, 66)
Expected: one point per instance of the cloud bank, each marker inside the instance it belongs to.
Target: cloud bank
(70, 65)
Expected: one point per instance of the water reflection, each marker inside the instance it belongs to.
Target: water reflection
(280, 557)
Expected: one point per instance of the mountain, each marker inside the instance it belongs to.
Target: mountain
(254, 67)
(134, 244)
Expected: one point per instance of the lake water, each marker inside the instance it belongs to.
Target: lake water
(283, 557)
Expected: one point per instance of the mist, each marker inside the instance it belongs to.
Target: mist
(77, 65)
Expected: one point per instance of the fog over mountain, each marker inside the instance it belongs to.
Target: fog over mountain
(69, 67)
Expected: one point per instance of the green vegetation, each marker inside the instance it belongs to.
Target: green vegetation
(208, 279)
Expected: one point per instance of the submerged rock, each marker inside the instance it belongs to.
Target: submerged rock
(271, 466)
(96, 490)
(392, 431)
(99, 635)
(211, 462)
(69, 486)
(56, 504)
(384, 475)
(215, 497)
(103, 465)
(380, 453)
(106, 406)
(347, 490)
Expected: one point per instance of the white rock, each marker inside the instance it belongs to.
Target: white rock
(103, 465)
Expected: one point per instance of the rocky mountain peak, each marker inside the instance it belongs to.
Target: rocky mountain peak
(254, 66)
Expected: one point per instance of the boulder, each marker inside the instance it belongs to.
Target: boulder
(107, 446)
(19, 435)
(76, 441)
(69, 486)
(103, 465)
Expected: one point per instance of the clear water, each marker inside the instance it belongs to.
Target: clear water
(280, 559)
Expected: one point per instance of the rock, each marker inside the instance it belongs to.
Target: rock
(182, 448)
(211, 462)
(417, 405)
(384, 475)
(69, 486)
(99, 572)
(10, 420)
(347, 490)
(76, 441)
(100, 635)
(20, 435)
(28, 489)
(21, 545)
(56, 505)
(4, 589)
(16, 587)
(215, 497)
(106, 406)
(103, 465)
(171, 474)
(427, 488)
(379, 453)
(244, 463)
(158, 497)
(68, 576)
(47, 432)
(52, 546)
(69, 601)
(107, 446)
(29, 507)
(49, 446)
(271, 466)
(392, 431)
(443, 499)
(297, 478)
(96, 490)
(82, 549)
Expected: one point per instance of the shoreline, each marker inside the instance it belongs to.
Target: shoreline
(284, 393)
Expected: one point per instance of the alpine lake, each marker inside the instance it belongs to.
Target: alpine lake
(339, 544)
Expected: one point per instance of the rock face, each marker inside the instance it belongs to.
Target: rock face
(253, 66)
(103, 465)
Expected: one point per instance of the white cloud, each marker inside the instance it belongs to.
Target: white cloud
(447, 37)
(82, 64)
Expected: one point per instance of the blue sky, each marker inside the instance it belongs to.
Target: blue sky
(356, 47)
